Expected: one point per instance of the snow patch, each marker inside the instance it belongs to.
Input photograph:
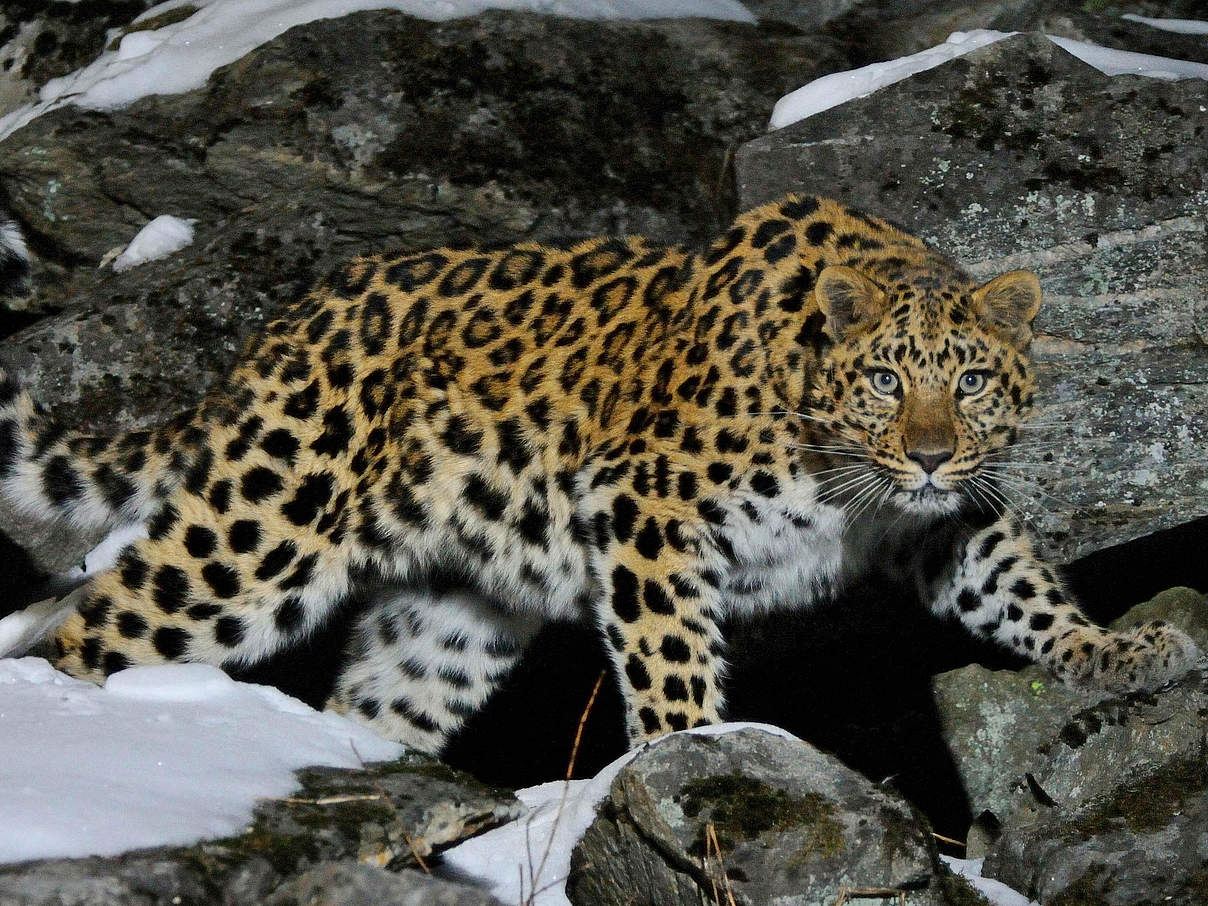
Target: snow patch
(158, 239)
(996, 892)
(180, 56)
(158, 756)
(1178, 26)
(22, 628)
(841, 87)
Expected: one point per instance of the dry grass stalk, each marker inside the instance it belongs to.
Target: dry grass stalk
(847, 893)
(713, 852)
(535, 873)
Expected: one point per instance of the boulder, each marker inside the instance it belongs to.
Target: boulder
(749, 818)
(394, 816)
(1003, 726)
(1140, 842)
(887, 29)
(1086, 795)
(352, 135)
(1018, 155)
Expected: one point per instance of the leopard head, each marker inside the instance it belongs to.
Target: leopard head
(926, 382)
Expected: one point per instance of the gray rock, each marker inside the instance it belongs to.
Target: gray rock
(1123, 815)
(41, 41)
(753, 816)
(1002, 726)
(886, 29)
(393, 815)
(352, 135)
(356, 884)
(1019, 155)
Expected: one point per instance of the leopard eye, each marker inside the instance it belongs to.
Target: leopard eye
(971, 382)
(884, 381)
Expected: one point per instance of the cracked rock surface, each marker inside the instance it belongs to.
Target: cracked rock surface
(759, 817)
(1021, 156)
(1092, 796)
(389, 816)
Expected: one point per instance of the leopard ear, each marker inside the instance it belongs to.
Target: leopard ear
(848, 300)
(1007, 304)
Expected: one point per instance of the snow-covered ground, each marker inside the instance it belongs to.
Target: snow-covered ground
(160, 755)
(180, 56)
(841, 87)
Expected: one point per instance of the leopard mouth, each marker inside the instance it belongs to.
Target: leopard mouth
(928, 500)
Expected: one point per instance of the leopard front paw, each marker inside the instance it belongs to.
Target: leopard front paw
(1141, 659)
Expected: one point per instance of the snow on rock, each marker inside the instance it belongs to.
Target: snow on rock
(158, 239)
(158, 756)
(998, 893)
(22, 628)
(840, 87)
(180, 56)
(528, 860)
(1177, 26)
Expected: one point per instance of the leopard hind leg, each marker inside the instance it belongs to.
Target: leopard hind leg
(421, 661)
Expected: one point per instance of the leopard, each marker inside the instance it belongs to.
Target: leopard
(476, 441)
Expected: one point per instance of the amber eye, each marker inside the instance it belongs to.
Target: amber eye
(884, 381)
(971, 382)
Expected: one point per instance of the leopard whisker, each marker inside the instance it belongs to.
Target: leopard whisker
(851, 485)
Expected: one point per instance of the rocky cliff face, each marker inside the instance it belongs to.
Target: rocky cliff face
(380, 131)
(1020, 155)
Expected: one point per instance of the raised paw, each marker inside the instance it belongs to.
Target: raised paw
(1143, 658)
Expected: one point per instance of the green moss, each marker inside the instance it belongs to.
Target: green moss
(283, 851)
(959, 892)
(743, 808)
(901, 834)
(1088, 890)
(1148, 804)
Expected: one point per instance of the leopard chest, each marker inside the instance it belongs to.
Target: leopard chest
(788, 551)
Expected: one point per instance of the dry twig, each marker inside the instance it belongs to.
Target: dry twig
(535, 873)
(847, 893)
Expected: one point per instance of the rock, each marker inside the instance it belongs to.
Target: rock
(1021, 156)
(1124, 809)
(355, 884)
(41, 41)
(378, 130)
(887, 29)
(759, 817)
(390, 815)
(1003, 726)
(351, 135)
(1182, 607)
(807, 15)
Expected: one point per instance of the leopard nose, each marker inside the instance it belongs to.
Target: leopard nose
(931, 460)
